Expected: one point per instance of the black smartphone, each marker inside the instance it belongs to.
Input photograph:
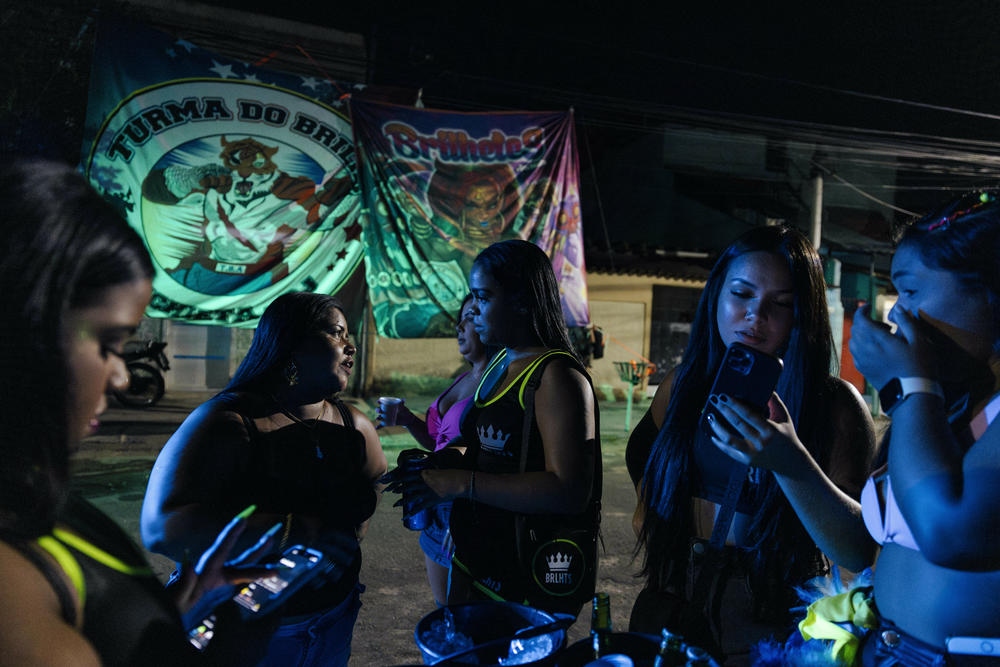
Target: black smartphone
(297, 566)
(745, 374)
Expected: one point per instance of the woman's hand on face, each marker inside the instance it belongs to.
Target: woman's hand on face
(881, 355)
(750, 438)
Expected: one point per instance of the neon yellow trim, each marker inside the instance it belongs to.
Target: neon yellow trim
(521, 377)
(501, 355)
(68, 564)
(475, 584)
(487, 592)
(531, 367)
(101, 556)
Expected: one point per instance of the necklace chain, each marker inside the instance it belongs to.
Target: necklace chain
(311, 428)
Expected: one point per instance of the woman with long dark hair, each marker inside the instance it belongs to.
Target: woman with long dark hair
(550, 474)
(766, 291)
(76, 590)
(277, 437)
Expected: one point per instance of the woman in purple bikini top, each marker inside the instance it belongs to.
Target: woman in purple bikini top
(441, 426)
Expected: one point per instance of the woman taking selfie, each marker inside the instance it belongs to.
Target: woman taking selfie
(274, 437)
(76, 590)
(767, 293)
(511, 484)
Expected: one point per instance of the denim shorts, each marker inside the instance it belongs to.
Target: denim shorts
(435, 539)
(323, 639)
(889, 646)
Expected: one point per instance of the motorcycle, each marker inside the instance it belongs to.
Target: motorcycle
(144, 361)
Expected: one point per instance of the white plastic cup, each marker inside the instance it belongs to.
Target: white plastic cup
(390, 409)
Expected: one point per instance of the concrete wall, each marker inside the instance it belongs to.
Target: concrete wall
(204, 357)
(622, 307)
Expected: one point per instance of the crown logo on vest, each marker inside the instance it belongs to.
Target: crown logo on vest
(494, 441)
(559, 562)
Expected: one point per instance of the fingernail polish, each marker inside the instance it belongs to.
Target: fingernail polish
(245, 514)
(714, 399)
(710, 417)
(723, 398)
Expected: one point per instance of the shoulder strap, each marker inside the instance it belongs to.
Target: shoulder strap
(71, 606)
(345, 413)
(526, 396)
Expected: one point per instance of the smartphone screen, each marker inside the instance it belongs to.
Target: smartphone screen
(293, 565)
(201, 634)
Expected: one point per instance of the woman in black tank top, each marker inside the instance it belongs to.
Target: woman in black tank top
(766, 292)
(274, 437)
(516, 307)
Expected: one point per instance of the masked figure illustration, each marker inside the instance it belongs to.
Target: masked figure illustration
(251, 215)
(473, 206)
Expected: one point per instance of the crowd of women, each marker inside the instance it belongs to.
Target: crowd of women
(737, 508)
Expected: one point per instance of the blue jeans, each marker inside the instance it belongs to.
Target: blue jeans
(323, 639)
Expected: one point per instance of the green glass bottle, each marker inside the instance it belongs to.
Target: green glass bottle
(600, 624)
(671, 652)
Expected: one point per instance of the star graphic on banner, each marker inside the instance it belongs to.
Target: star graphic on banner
(341, 254)
(251, 77)
(352, 232)
(310, 82)
(329, 267)
(171, 53)
(224, 71)
(183, 43)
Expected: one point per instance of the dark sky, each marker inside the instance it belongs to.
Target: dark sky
(775, 59)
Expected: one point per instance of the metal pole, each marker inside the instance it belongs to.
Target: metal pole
(628, 407)
(816, 226)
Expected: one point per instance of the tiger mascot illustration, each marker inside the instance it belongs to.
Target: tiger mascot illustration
(252, 212)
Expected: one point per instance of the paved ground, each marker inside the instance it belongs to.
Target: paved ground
(113, 466)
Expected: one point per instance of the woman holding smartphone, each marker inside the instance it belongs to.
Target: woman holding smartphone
(277, 437)
(766, 292)
(552, 471)
(75, 589)
(931, 504)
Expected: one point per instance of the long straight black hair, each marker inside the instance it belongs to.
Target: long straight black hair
(287, 321)
(781, 544)
(524, 271)
(63, 247)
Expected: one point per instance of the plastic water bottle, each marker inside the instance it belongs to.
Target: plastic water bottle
(600, 624)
